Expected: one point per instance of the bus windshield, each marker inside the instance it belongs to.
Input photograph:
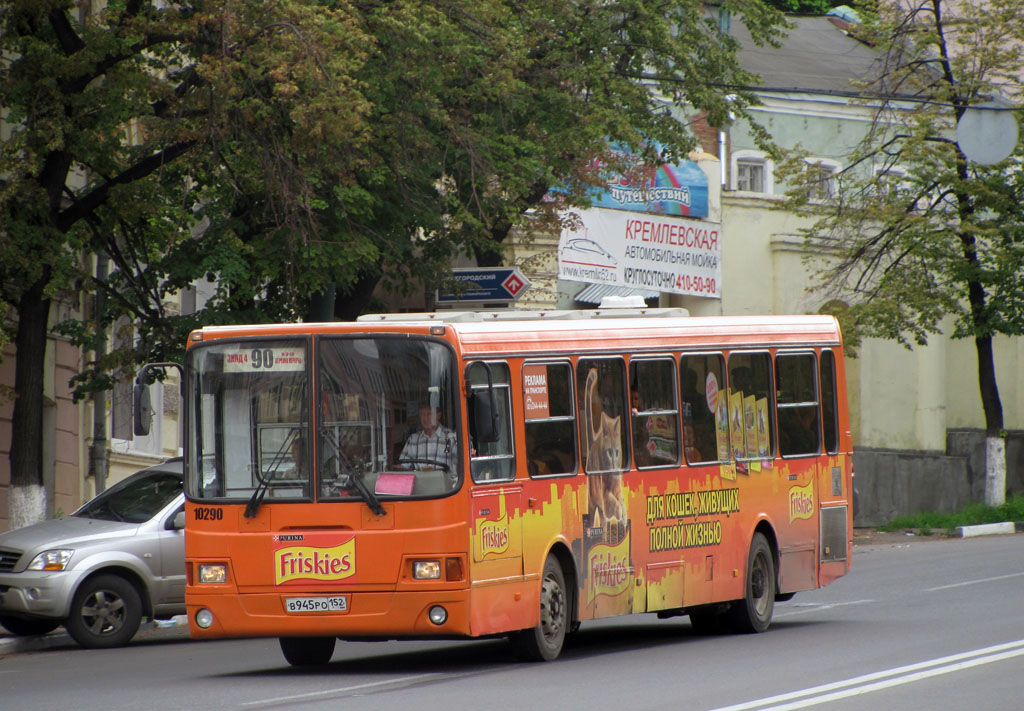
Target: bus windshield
(384, 415)
(249, 420)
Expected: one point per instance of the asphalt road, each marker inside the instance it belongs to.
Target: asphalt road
(934, 624)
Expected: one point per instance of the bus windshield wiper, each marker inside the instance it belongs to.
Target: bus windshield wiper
(256, 500)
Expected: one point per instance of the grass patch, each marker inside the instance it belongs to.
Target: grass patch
(927, 522)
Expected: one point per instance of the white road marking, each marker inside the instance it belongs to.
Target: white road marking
(815, 607)
(974, 582)
(880, 680)
(342, 690)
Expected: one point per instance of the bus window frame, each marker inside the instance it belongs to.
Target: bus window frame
(634, 418)
(507, 420)
(797, 352)
(573, 418)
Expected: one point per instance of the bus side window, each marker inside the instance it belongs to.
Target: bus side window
(604, 427)
(705, 430)
(828, 401)
(492, 461)
(654, 412)
(550, 418)
(799, 418)
(750, 405)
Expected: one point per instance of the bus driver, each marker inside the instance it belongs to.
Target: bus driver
(432, 443)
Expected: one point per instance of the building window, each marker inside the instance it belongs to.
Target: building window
(890, 181)
(822, 179)
(751, 172)
(750, 175)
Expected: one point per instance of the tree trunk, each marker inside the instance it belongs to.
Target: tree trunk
(995, 438)
(27, 504)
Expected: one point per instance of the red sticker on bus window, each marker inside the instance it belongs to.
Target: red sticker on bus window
(398, 484)
(535, 391)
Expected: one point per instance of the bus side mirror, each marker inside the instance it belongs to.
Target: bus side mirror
(142, 406)
(483, 409)
(142, 409)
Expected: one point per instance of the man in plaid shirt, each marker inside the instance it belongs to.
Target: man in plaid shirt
(434, 443)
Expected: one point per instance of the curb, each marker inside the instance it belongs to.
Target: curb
(35, 643)
(990, 529)
(10, 644)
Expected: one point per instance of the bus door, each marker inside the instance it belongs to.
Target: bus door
(608, 566)
(496, 499)
(800, 447)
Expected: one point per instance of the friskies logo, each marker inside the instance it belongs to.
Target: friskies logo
(609, 569)
(309, 563)
(492, 536)
(801, 502)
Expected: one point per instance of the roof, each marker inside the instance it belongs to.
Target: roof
(815, 57)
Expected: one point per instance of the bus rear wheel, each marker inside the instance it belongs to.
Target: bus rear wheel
(544, 642)
(307, 651)
(753, 613)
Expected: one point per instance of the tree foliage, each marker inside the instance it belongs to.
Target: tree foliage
(920, 235)
(278, 148)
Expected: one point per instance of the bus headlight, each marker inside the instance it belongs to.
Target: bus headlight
(213, 573)
(426, 570)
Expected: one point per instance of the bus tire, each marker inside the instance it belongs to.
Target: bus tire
(544, 642)
(753, 613)
(307, 651)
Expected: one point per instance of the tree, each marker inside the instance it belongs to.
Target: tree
(289, 148)
(918, 233)
(116, 120)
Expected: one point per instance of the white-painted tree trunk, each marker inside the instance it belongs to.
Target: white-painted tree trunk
(995, 471)
(27, 505)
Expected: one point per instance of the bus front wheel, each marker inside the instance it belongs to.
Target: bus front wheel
(544, 642)
(307, 651)
(754, 612)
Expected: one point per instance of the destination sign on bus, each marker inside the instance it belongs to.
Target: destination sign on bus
(277, 359)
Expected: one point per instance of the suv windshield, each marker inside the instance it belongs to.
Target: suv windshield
(135, 500)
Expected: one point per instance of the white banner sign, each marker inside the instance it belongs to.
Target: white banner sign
(676, 255)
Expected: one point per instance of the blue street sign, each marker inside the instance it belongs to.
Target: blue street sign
(486, 284)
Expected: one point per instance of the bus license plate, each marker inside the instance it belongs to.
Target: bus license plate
(335, 603)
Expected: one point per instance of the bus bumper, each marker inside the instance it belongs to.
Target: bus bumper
(391, 615)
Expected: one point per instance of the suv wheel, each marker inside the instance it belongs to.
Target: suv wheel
(105, 612)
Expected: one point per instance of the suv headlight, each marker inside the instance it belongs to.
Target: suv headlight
(57, 559)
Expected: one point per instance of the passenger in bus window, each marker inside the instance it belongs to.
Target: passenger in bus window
(798, 430)
(700, 443)
(432, 443)
(640, 430)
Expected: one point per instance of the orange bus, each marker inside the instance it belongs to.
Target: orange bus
(510, 473)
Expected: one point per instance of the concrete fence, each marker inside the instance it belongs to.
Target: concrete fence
(893, 483)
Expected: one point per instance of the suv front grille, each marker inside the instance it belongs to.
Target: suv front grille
(8, 559)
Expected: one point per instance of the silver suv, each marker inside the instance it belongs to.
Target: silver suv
(99, 571)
